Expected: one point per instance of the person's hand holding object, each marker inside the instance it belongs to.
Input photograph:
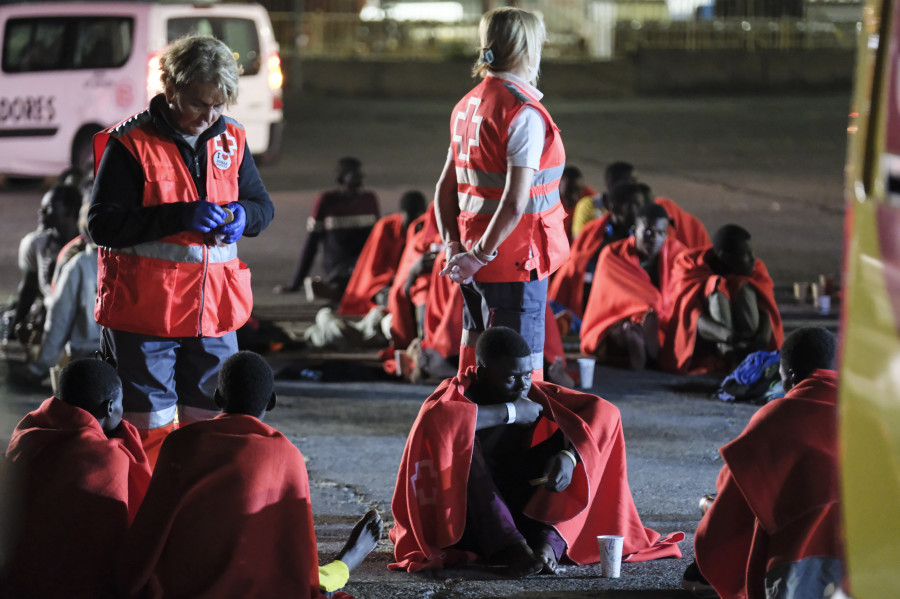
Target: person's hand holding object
(233, 228)
(205, 216)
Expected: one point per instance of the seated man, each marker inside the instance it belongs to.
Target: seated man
(70, 326)
(773, 528)
(340, 221)
(380, 257)
(571, 284)
(227, 513)
(76, 473)
(592, 205)
(520, 475)
(723, 306)
(38, 251)
(572, 190)
(629, 304)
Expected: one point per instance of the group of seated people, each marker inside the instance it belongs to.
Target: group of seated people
(645, 286)
(515, 475)
(518, 475)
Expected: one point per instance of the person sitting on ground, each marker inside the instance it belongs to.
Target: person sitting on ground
(773, 530)
(518, 474)
(70, 329)
(571, 285)
(629, 304)
(592, 205)
(341, 220)
(686, 228)
(76, 475)
(38, 250)
(572, 189)
(723, 306)
(380, 257)
(227, 513)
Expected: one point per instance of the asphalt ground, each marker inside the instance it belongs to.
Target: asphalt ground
(773, 164)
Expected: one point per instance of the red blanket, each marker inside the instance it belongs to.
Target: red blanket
(778, 492)
(686, 227)
(622, 289)
(429, 503)
(227, 514)
(567, 283)
(421, 233)
(375, 266)
(443, 314)
(692, 282)
(76, 492)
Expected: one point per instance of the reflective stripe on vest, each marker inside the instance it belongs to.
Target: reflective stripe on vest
(173, 252)
(490, 186)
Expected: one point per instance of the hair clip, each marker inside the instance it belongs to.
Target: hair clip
(488, 56)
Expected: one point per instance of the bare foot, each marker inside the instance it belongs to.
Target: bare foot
(519, 560)
(362, 539)
(547, 556)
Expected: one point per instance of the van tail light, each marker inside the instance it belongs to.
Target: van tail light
(276, 78)
(154, 85)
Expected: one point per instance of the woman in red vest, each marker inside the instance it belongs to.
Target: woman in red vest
(176, 188)
(497, 199)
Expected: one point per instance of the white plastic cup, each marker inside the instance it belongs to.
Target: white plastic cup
(824, 304)
(610, 555)
(586, 369)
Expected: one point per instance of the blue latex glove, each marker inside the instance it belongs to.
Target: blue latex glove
(206, 216)
(233, 230)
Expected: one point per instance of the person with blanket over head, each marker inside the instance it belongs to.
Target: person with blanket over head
(773, 530)
(517, 474)
(75, 473)
(723, 306)
(629, 305)
(227, 513)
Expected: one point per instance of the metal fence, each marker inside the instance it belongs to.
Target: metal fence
(577, 29)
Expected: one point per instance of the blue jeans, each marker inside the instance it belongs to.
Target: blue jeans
(519, 305)
(164, 376)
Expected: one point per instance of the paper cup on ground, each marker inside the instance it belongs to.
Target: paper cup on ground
(586, 370)
(610, 555)
(824, 304)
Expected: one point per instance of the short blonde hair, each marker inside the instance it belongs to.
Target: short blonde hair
(201, 59)
(510, 38)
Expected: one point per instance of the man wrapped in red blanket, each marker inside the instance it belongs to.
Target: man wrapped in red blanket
(75, 475)
(630, 301)
(724, 306)
(773, 530)
(519, 475)
(227, 513)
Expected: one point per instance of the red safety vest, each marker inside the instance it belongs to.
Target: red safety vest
(177, 286)
(479, 129)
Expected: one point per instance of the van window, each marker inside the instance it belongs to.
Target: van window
(66, 43)
(238, 34)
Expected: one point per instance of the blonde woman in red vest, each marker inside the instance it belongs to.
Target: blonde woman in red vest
(176, 187)
(497, 200)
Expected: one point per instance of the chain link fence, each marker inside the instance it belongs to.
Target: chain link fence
(576, 29)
